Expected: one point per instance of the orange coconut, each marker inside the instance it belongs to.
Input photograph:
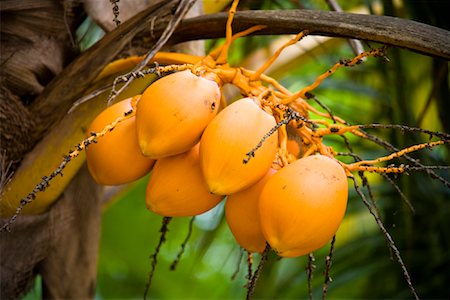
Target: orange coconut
(242, 215)
(226, 141)
(303, 204)
(177, 188)
(174, 111)
(116, 157)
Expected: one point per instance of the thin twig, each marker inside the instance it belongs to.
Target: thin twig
(330, 113)
(425, 168)
(249, 268)
(364, 179)
(310, 271)
(251, 153)
(326, 273)
(89, 97)
(289, 116)
(254, 279)
(45, 182)
(444, 136)
(238, 266)
(321, 104)
(399, 191)
(116, 11)
(154, 257)
(391, 243)
(183, 246)
(351, 154)
(366, 184)
(391, 147)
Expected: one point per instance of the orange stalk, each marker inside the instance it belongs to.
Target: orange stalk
(277, 53)
(222, 59)
(347, 63)
(356, 166)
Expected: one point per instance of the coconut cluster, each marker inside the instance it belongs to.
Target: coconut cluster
(200, 154)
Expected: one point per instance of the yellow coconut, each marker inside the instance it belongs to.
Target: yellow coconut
(116, 157)
(303, 204)
(242, 215)
(174, 111)
(226, 141)
(177, 187)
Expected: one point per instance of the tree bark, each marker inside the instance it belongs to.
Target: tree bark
(61, 245)
(392, 31)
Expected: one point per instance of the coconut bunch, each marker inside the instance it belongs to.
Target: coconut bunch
(200, 153)
(262, 153)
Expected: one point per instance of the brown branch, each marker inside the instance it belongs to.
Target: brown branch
(154, 257)
(326, 273)
(174, 264)
(309, 271)
(252, 281)
(415, 36)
